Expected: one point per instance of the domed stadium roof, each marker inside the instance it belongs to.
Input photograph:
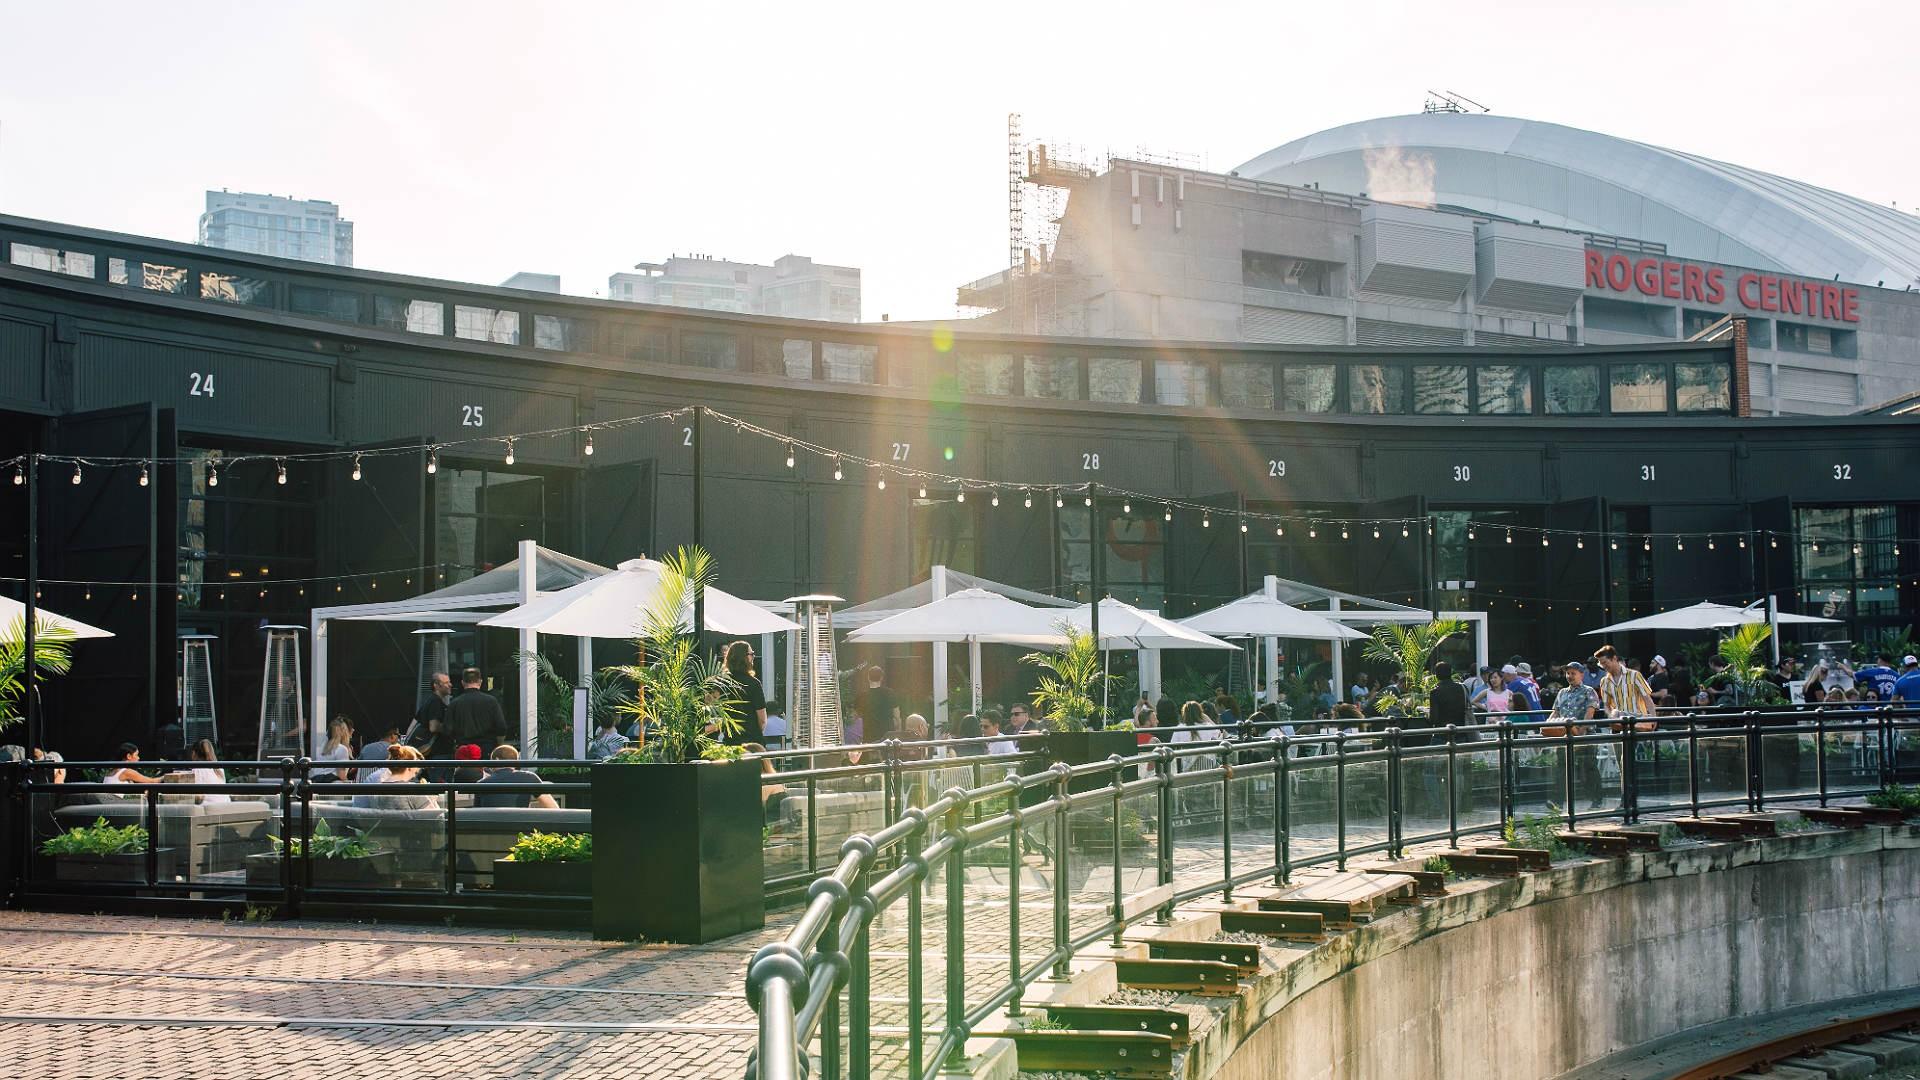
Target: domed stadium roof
(1529, 171)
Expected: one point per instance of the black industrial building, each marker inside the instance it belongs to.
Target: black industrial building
(1554, 487)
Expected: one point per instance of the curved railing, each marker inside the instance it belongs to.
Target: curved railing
(1181, 822)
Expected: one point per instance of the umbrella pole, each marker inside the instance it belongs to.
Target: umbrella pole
(1106, 679)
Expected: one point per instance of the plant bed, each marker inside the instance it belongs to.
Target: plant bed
(122, 867)
(678, 851)
(372, 870)
(102, 852)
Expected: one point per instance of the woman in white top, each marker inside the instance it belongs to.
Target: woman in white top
(203, 751)
(339, 748)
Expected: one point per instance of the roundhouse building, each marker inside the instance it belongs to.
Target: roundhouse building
(1476, 230)
(1441, 467)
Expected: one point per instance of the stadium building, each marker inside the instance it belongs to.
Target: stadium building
(1454, 229)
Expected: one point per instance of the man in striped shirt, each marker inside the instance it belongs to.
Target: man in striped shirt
(1624, 690)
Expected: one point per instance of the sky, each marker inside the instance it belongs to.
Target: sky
(473, 140)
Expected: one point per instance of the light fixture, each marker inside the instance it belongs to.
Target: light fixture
(1710, 546)
(996, 497)
(836, 469)
(1646, 544)
(1279, 530)
(1206, 521)
(789, 455)
(923, 489)
(1469, 532)
(1429, 527)
(356, 466)
(1313, 531)
(1343, 530)
(1679, 543)
(962, 496)
(1059, 501)
(1743, 543)
(1376, 531)
(509, 451)
(1089, 500)
(433, 466)
(76, 472)
(882, 485)
(19, 474)
(1243, 524)
(1403, 532)
(1613, 545)
(1169, 514)
(1580, 542)
(1816, 547)
(1773, 541)
(1544, 542)
(1856, 548)
(280, 471)
(1126, 506)
(143, 474)
(588, 449)
(1026, 499)
(1509, 536)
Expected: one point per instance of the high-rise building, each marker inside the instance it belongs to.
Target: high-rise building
(310, 229)
(533, 282)
(794, 287)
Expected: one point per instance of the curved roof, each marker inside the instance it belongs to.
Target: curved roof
(1566, 177)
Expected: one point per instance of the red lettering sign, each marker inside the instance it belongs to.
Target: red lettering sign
(1664, 280)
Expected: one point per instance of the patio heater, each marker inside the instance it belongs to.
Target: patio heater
(283, 730)
(435, 645)
(196, 689)
(815, 678)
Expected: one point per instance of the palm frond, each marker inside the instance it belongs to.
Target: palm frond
(680, 695)
(1064, 700)
(52, 655)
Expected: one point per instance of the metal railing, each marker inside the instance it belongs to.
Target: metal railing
(1176, 823)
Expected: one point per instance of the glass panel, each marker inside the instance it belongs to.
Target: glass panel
(645, 343)
(985, 373)
(161, 278)
(792, 357)
(234, 289)
(845, 363)
(1246, 384)
(1702, 387)
(702, 348)
(1376, 388)
(1053, 377)
(116, 271)
(497, 325)
(1825, 554)
(416, 316)
(1505, 389)
(1439, 389)
(1181, 382)
(1639, 387)
(324, 303)
(1573, 389)
(1307, 388)
(908, 367)
(560, 332)
(1113, 378)
(75, 263)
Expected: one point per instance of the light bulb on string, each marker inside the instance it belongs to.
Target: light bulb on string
(1710, 546)
(1509, 536)
(1026, 499)
(280, 471)
(1313, 531)
(995, 500)
(1469, 532)
(789, 455)
(213, 474)
(19, 474)
(1403, 532)
(1279, 530)
(1343, 530)
(509, 451)
(882, 483)
(1544, 542)
(144, 480)
(76, 472)
(1059, 501)
(1856, 548)
(1376, 531)
(1580, 542)
(433, 463)
(1816, 547)
(1243, 524)
(923, 489)
(1089, 500)
(1679, 543)
(1613, 545)
(962, 496)
(1646, 544)
(588, 449)
(356, 466)
(1743, 543)
(1773, 541)
(1429, 526)
(1126, 506)
(1169, 514)
(836, 469)
(1206, 521)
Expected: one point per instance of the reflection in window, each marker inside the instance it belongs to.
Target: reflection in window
(1113, 378)
(845, 363)
(1505, 389)
(943, 534)
(324, 303)
(636, 342)
(34, 257)
(497, 325)
(1572, 389)
(414, 316)
(1181, 382)
(1246, 384)
(1056, 377)
(1439, 389)
(157, 277)
(560, 332)
(1638, 387)
(792, 357)
(703, 348)
(1284, 273)
(234, 289)
(1702, 387)
(1376, 389)
(1307, 388)
(1135, 559)
(985, 373)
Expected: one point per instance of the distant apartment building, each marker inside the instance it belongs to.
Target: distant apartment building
(532, 282)
(309, 229)
(794, 287)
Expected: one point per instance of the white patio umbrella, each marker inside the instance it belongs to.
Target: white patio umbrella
(615, 606)
(1123, 626)
(1262, 616)
(13, 612)
(1704, 616)
(972, 616)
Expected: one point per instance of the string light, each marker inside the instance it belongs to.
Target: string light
(1646, 543)
(1313, 531)
(1243, 524)
(1773, 541)
(433, 462)
(509, 450)
(76, 472)
(1816, 547)
(1710, 546)
(1059, 501)
(1679, 544)
(19, 474)
(1089, 500)
(1580, 542)
(1856, 548)
(1169, 514)
(143, 474)
(962, 496)
(882, 485)
(996, 497)
(923, 489)
(1403, 532)
(1509, 536)
(789, 455)
(1613, 545)
(1343, 530)
(836, 469)
(1026, 498)
(1206, 521)
(1469, 532)
(280, 471)
(1126, 506)
(1376, 531)
(1544, 542)
(588, 449)
(1279, 530)
(356, 466)
(1743, 543)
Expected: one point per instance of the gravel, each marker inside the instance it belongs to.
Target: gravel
(1128, 995)
(1242, 937)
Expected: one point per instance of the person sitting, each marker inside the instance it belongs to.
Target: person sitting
(772, 793)
(207, 774)
(125, 773)
(467, 774)
(967, 727)
(990, 729)
(914, 730)
(607, 741)
(775, 728)
(375, 750)
(403, 768)
(339, 747)
(509, 772)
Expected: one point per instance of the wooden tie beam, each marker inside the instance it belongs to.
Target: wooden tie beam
(1637, 839)
(1530, 859)
(1286, 925)
(1429, 882)
(1595, 843)
(1144, 1019)
(1339, 914)
(1752, 825)
(1244, 958)
(1848, 818)
(1132, 1054)
(1710, 828)
(1207, 978)
(1483, 863)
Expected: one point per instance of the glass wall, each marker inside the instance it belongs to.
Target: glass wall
(481, 514)
(1850, 568)
(1135, 570)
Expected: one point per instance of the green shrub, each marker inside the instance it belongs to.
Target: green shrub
(537, 846)
(98, 838)
(1898, 797)
(327, 844)
(1438, 864)
(1538, 831)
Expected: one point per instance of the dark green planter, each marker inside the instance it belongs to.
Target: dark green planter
(1081, 747)
(677, 854)
(375, 871)
(128, 867)
(545, 878)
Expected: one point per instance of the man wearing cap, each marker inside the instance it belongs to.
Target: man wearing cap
(1575, 706)
(1906, 689)
(1660, 681)
(1520, 681)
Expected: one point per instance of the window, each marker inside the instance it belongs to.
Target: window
(1505, 389)
(483, 514)
(1849, 569)
(414, 316)
(497, 325)
(1439, 389)
(324, 303)
(1113, 378)
(845, 363)
(1376, 388)
(1284, 273)
(792, 357)
(1056, 377)
(1135, 558)
(1638, 388)
(1181, 382)
(561, 332)
(73, 263)
(1572, 389)
(1246, 384)
(1701, 387)
(943, 533)
(1307, 388)
(153, 276)
(633, 341)
(1695, 322)
(985, 373)
(234, 289)
(703, 348)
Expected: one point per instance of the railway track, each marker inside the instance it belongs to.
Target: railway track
(1888, 1038)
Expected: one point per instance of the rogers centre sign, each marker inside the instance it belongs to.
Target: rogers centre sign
(1666, 280)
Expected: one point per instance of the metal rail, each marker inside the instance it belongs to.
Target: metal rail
(1763, 1056)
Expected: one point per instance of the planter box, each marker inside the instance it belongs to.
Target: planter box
(1081, 747)
(677, 855)
(130, 868)
(546, 878)
(375, 871)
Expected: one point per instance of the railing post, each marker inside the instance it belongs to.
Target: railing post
(1340, 798)
(1886, 755)
(1504, 735)
(829, 947)
(813, 818)
(1566, 778)
(453, 843)
(1163, 858)
(1013, 904)
(152, 793)
(1693, 763)
(1062, 930)
(1226, 822)
(916, 963)
(860, 979)
(956, 934)
(1119, 894)
(1280, 807)
(1453, 789)
(290, 897)
(1396, 798)
(1820, 755)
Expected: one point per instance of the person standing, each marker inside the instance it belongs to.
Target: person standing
(475, 716)
(439, 697)
(1660, 682)
(1448, 702)
(747, 703)
(1880, 676)
(1623, 691)
(1526, 692)
(879, 708)
(1574, 707)
(1906, 689)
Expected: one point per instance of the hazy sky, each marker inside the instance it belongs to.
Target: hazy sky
(471, 140)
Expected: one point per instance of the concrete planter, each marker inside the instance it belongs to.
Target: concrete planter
(677, 851)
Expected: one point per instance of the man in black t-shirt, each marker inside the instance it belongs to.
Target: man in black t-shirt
(879, 708)
(475, 716)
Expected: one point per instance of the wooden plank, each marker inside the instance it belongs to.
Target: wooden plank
(1637, 839)
(1356, 886)
(1751, 824)
(1207, 978)
(1140, 903)
(1131, 1054)
(1530, 858)
(1145, 1019)
(1245, 958)
(1336, 913)
(1286, 925)
(1881, 815)
(1429, 882)
(1597, 843)
(1710, 828)
(1489, 863)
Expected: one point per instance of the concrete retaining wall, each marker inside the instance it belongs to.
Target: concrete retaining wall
(1528, 978)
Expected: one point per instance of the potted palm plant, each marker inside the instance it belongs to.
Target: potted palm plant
(548, 863)
(1070, 682)
(1408, 649)
(676, 815)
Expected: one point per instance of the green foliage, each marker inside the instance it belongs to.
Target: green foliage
(327, 844)
(1746, 674)
(1438, 864)
(1408, 649)
(1669, 835)
(1694, 655)
(1301, 689)
(1898, 797)
(681, 696)
(98, 838)
(536, 846)
(1884, 639)
(1043, 1021)
(52, 655)
(553, 700)
(1070, 679)
(1539, 831)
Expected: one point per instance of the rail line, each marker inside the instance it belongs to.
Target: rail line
(1761, 1057)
